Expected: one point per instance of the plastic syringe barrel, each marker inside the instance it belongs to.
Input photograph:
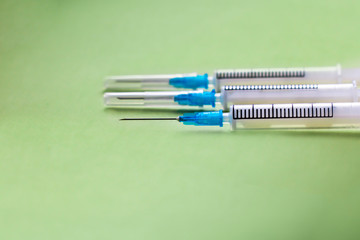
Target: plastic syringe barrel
(296, 115)
(300, 93)
(260, 76)
(157, 82)
(292, 115)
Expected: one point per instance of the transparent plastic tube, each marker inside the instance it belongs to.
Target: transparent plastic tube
(310, 75)
(297, 115)
(301, 93)
(256, 76)
(157, 82)
(267, 116)
(232, 95)
(144, 99)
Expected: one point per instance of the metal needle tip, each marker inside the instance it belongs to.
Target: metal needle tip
(127, 119)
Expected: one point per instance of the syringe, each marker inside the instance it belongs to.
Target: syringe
(264, 116)
(256, 76)
(232, 95)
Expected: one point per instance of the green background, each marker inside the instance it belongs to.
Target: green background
(70, 170)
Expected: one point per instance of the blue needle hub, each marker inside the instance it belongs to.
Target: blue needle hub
(196, 99)
(203, 118)
(192, 82)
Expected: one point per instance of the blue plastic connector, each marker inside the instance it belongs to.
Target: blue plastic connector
(196, 99)
(193, 82)
(203, 118)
